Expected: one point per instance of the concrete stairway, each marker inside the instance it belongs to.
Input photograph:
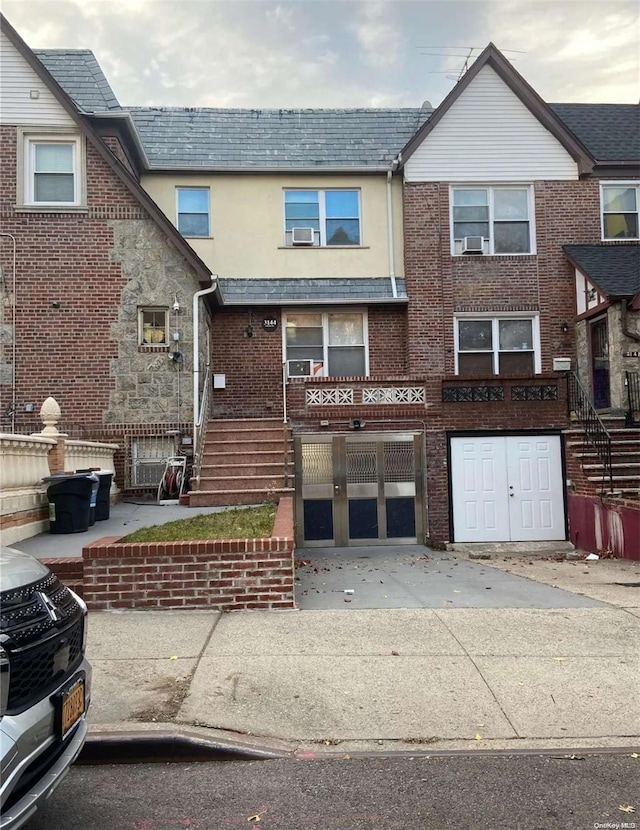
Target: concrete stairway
(245, 461)
(625, 457)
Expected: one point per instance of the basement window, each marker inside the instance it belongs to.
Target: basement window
(153, 326)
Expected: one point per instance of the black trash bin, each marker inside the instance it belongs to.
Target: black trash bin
(95, 484)
(69, 502)
(103, 505)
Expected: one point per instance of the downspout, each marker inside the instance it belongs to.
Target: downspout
(196, 361)
(14, 335)
(392, 263)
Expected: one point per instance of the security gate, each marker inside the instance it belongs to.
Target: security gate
(359, 489)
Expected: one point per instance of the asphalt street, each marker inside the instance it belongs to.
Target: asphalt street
(471, 792)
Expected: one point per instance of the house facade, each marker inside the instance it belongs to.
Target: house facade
(406, 305)
(96, 280)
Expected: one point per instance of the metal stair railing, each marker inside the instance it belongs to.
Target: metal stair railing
(201, 428)
(632, 382)
(580, 403)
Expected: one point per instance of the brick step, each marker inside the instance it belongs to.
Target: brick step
(616, 466)
(228, 481)
(222, 469)
(246, 421)
(246, 444)
(231, 459)
(215, 498)
(618, 480)
(257, 433)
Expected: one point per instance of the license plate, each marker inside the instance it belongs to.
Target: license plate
(72, 706)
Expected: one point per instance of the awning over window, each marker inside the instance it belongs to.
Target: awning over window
(291, 291)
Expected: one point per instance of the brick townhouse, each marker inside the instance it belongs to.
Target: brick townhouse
(402, 297)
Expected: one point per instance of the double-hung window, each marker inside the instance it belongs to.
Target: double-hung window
(497, 346)
(500, 216)
(326, 344)
(192, 208)
(322, 217)
(620, 208)
(52, 170)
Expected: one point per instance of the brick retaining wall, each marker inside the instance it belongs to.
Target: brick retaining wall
(229, 575)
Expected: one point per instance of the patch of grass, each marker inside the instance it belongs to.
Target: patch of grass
(249, 523)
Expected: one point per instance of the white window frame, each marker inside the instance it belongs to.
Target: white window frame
(28, 139)
(495, 317)
(603, 185)
(325, 312)
(178, 211)
(159, 310)
(489, 243)
(320, 237)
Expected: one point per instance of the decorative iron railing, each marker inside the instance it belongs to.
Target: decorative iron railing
(200, 430)
(595, 431)
(632, 382)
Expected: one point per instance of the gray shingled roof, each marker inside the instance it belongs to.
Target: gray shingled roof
(79, 74)
(262, 291)
(611, 132)
(613, 268)
(307, 138)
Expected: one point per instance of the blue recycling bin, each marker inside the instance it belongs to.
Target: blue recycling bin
(69, 502)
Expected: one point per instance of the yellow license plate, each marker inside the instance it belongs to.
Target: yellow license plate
(73, 706)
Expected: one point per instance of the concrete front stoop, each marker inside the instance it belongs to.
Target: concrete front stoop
(245, 461)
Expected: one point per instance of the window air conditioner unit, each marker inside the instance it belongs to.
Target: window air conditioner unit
(299, 368)
(473, 245)
(302, 236)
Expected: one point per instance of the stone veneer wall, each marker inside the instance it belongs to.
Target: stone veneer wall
(229, 575)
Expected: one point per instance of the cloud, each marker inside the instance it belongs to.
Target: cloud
(379, 39)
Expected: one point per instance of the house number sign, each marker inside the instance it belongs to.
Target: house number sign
(269, 324)
(635, 353)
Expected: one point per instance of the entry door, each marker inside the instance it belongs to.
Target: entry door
(600, 364)
(359, 489)
(507, 489)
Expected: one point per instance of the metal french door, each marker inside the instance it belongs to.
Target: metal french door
(507, 488)
(359, 489)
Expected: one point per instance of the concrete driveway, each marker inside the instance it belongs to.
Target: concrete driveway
(413, 576)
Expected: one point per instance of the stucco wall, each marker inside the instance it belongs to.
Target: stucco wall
(247, 225)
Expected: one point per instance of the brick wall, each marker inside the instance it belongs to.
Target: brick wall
(228, 575)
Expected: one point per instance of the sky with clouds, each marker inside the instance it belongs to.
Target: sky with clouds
(338, 53)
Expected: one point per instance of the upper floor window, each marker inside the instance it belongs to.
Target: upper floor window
(497, 345)
(322, 217)
(326, 344)
(620, 208)
(192, 208)
(53, 170)
(491, 220)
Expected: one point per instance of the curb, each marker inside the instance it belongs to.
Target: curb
(164, 747)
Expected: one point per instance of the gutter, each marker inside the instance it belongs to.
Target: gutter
(196, 347)
(392, 264)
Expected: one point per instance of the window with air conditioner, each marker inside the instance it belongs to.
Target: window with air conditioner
(502, 216)
(335, 343)
(620, 210)
(322, 218)
(505, 345)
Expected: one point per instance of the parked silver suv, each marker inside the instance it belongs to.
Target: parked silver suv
(45, 684)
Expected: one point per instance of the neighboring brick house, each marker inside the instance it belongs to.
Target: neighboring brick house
(91, 268)
(398, 289)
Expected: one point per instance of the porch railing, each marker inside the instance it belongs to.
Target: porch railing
(632, 382)
(579, 402)
(201, 429)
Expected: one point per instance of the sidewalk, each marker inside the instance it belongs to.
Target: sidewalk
(383, 679)
(386, 679)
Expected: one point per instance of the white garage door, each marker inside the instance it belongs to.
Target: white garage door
(507, 488)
